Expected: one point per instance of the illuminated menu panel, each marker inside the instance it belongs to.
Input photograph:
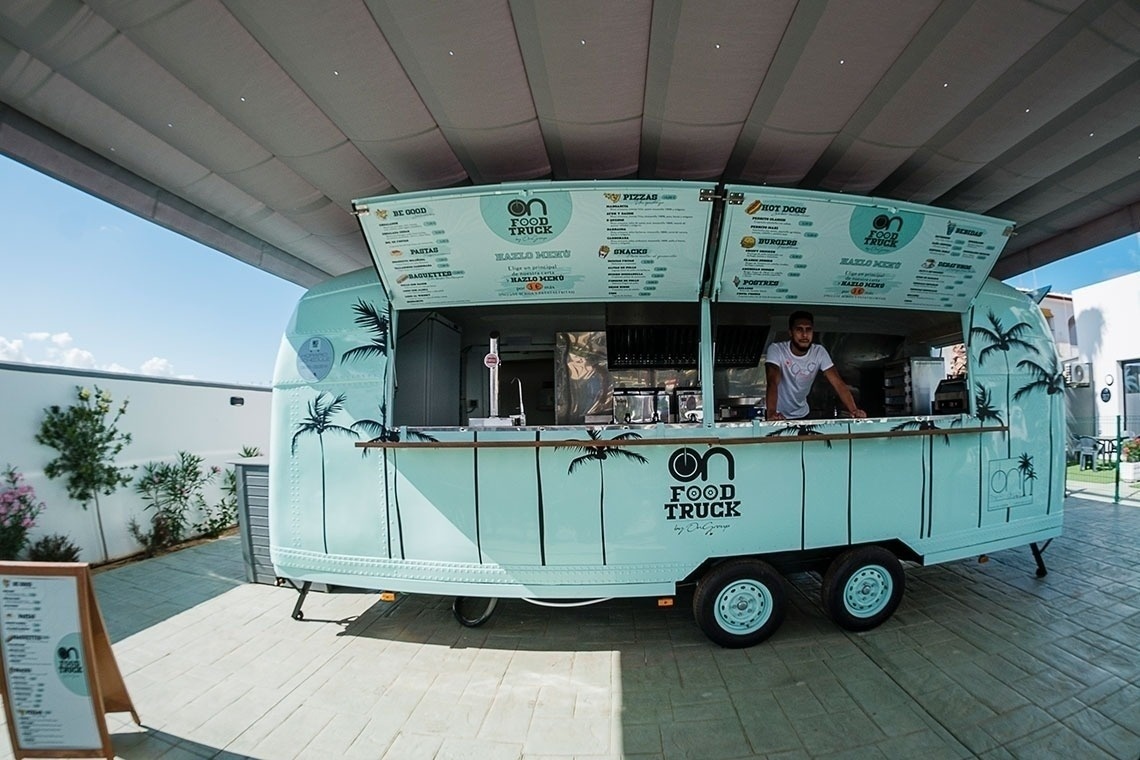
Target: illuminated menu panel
(540, 242)
(822, 248)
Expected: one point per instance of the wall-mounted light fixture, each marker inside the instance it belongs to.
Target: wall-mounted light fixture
(237, 401)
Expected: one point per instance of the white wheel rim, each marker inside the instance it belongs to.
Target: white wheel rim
(743, 607)
(868, 591)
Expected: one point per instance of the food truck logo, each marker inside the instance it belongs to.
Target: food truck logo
(527, 220)
(700, 502)
(69, 664)
(876, 230)
(1011, 482)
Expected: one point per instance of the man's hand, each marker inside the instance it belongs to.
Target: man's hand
(859, 414)
(777, 416)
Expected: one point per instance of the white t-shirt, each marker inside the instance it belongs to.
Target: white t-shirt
(797, 373)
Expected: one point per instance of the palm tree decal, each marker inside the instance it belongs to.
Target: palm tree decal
(600, 454)
(997, 338)
(375, 322)
(984, 412)
(378, 430)
(804, 431)
(927, 457)
(1025, 467)
(319, 421)
(1047, 377)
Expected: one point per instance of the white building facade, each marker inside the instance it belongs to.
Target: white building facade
(1108, 335)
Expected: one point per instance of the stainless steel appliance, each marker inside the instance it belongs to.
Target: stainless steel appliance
(640, 405)
(688, 405)
(950, 396)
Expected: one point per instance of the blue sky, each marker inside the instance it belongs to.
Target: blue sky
(90, 286)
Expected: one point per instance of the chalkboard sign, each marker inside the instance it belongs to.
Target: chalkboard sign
(59, 674)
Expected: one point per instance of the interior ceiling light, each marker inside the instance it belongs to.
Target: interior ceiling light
(336, 73)
(945, 84)
(582, 41)
(841, 61)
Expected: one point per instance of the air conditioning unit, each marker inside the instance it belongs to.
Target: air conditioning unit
(1077, 374)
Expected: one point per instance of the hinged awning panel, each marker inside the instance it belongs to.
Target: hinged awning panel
(540, 242)
(782, 245)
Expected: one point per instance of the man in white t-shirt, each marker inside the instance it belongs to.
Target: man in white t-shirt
(791, 367)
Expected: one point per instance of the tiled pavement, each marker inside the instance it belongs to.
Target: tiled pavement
(981, 660)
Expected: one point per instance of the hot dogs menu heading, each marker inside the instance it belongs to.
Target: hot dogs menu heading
(821, 248)
(540, 242)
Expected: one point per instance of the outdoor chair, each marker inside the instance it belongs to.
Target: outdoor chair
(1087, 450)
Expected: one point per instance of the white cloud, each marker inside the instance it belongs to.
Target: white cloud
(12, 350)
(158, 366)
(76, 358)
(57, 349)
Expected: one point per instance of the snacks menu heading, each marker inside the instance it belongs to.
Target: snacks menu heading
(821, 248)
(540, 242)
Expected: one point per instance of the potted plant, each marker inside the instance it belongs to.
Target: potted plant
(1130, 459)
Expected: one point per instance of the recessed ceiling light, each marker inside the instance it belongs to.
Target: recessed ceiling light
(336, 73)
(842, 61)
(242, 98)
(718, 46)
(169, 124)
(945, 84)
(1091, 134)
(451, 52)
(1027, 110)
(582, 41)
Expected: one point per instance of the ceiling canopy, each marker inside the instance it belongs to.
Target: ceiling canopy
(250, 125)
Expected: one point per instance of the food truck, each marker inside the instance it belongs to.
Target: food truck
(555, 391)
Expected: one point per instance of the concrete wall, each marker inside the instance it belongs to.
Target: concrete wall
(164, 417)
(1108, 314)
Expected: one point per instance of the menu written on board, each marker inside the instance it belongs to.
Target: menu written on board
(46, 663)
(822, 248)
(539, 242)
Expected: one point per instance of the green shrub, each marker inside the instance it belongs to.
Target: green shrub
(54, 548)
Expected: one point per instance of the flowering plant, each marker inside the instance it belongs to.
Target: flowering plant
(18, 512)
(1130, 450)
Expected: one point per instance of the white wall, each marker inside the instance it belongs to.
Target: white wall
(1108, 333)
(1058, 310)
(163, 418)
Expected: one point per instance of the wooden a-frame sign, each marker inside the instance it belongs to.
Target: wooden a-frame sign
(59, 676)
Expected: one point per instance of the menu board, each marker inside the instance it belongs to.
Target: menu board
(822, 248)
(59, 672)
(540, 242)
(45, 663)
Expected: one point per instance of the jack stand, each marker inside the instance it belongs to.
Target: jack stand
(302, 592)
(1042, 571)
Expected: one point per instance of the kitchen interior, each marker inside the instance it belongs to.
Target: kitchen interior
(638, 363)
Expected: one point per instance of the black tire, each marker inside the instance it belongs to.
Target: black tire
(473, 611)
(862, 587)
(739, 603)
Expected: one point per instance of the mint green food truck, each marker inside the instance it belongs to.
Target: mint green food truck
(555, 391)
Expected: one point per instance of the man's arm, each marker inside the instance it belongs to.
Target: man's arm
(841, 390)
(772, 373)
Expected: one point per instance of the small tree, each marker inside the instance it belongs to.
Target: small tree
(88, 439)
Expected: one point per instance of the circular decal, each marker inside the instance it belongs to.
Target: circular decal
(1105, 395)
(315, 358)
(69, 665)
(879, 230)
(529, 219)
(685, 464)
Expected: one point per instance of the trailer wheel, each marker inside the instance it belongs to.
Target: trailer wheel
(739, 603)
(863, 587)
(473, 611)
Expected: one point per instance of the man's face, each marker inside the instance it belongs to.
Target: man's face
(802, 333)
